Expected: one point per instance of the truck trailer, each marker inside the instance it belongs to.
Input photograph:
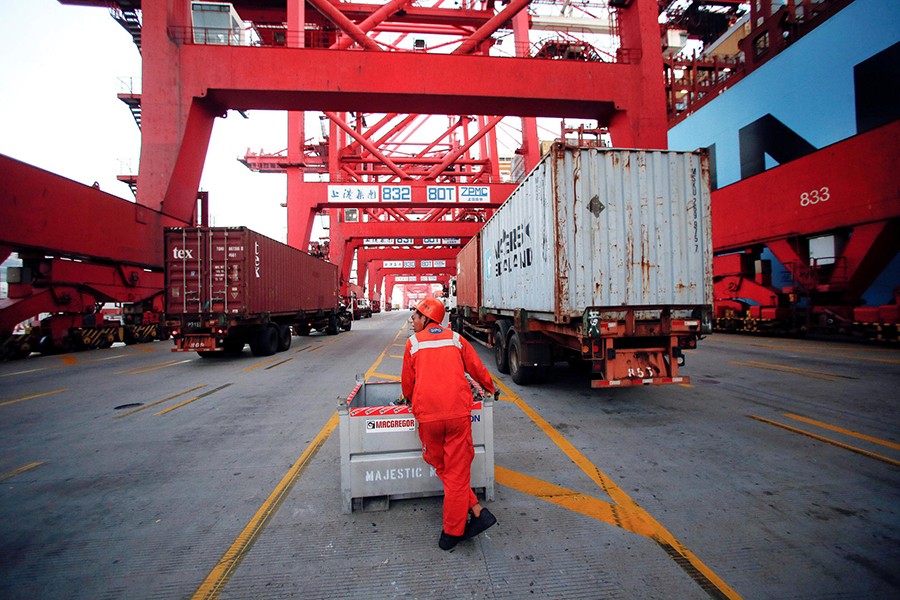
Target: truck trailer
(601, 257)
(229, 286)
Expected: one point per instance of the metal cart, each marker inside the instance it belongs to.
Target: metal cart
(381, 454)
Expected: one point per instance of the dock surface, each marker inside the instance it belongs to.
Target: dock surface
(137, 472)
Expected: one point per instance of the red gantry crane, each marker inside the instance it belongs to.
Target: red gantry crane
(379, 74)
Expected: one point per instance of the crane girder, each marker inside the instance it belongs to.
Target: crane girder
(54, 215)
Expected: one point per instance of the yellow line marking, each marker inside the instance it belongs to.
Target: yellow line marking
(24, 372)
(258, 365)
(825, 373)
(280, 363)
(170, 363)
(152, 404)
(8, 402)
(189, 400)
(829, 441)
(382, 376)
(395, 356)
(19, 471)
(860, 436)
(576, 502)
(317, 348)
(302, 348)
(110, 358)
(682, 556)
(843, 354)
(227, 565)
(371, 372)
(146, 348)
(786, 369)
(69, 360)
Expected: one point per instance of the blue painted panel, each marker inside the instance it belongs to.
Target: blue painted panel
(809, 87)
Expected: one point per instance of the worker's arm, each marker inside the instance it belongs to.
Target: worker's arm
(475, 367)
(408, 374)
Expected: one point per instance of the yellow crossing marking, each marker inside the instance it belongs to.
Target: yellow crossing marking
(860, 436)
(228, 564)
(19, 471)
(8, 402)
(574, 501)
(829, 441)
(686, 559)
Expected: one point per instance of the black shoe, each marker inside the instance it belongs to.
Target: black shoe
(448, 542)
(478, 524)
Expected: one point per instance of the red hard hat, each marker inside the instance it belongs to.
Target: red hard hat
(432, 308)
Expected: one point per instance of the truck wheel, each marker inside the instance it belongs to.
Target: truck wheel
(346, 323)
(264, 341)
(501, 355)
(520, 374)
(332, 328)
(284, 337)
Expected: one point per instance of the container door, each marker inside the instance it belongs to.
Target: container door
(184, 272)
(227, 279)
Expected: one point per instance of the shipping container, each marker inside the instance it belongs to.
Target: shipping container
(600, 255)
(227, 286)
(601, 228)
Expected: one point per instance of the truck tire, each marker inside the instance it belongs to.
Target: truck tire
(522, 375)
(264, 341)
(332, 328)
(346, 323)
(501, 352)
(284, 337)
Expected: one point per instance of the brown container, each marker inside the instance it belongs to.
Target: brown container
(243, 274)
(468, 277)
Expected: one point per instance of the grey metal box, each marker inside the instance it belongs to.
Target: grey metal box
(381, 454)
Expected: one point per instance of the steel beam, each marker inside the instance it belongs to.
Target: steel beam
(48, 213)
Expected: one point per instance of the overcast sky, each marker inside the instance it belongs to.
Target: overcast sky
(59, 78)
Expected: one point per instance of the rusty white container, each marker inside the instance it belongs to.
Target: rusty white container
(381, 454)
(595, 227)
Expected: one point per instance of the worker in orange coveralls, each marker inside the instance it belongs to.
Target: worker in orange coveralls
(434, 366)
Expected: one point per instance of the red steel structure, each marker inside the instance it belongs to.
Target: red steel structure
(381, 75)
(349, 61)
(845, 194)
(342, 58)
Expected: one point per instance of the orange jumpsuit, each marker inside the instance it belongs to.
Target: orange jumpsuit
(434, 365)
